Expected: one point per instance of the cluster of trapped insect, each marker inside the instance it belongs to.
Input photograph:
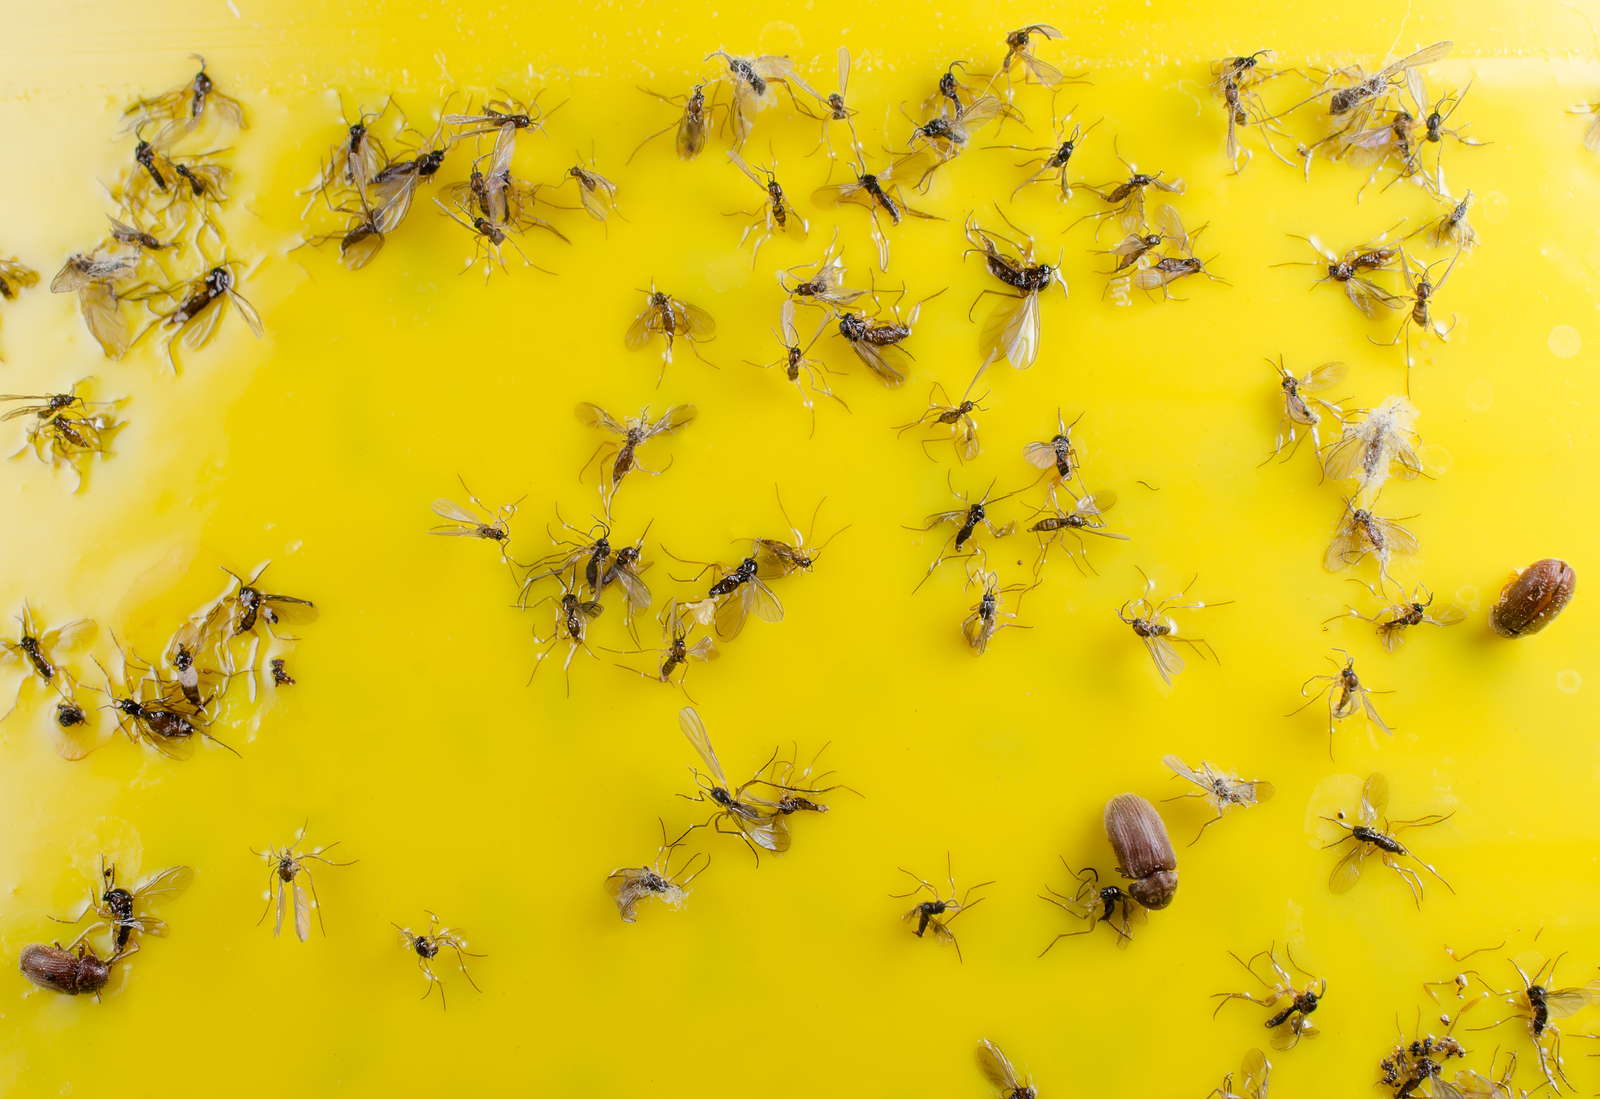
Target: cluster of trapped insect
(166, 252)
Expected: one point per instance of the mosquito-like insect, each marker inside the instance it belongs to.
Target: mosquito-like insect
(1255, 1072)
(587, 556)
(1012, 331)
(1020, 55)
(1418, 1061)
(1181, 261)
(93, 277)
(951, 420)
(949, 89)
(987, 616)
(247, 605)
(871, 338)
(751, 79)
(1054, 523)
(1057, 158)
(360, 239)
(1349, 270)
(1235, 81)
(1395, 619)
(803, 371)
(1303, 413)
(396, 184)
(630, 885)
(1451, 229)
(1374, 835)
(669, 317)
(996, 1068)
(1347, 696)
(1360, 533)
(490, 239)
(693, 124)
(1351, 105)
(597, 193)
(1056, 453)
(1381, 444)
(37, 650)
(678, 653)
(185, 107)
(754, 820)
(572, 617)
(476, 520)
(773, 217)
(618, 457)
(427, 946)
(197, 307)
(733, 596)
(776, 557)
(1220, 789)
(1291, 1004)
(625, 572)
(834, 107)
(938, 912)
(358, 157)
(70, 720)
(145, 712)
(505, 118)
(879, 193)
(120, 912)
(61, 438)
(947, 135)
(796, 782)
(290, 873)
(966, 520)
(1153, 624)
(1125, 200)
(1422, 288)
(824, 286)
(1536, 1005)
(1094, 904)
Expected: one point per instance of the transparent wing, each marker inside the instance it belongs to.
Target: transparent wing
(697, 323)
(643, 326)
(763, 602)
(1374, 798)
(674, 418)
(996, 1067)
(1168, 661)
(595, 416)
(1040, 455)
(1183, 769)
(1568, 1001)
(103, 318)
(1323, 377)
(695, 730)
(166, 883)
(302, 910)
(247, 311)
(1347, 871)
(966, 441)
(1398, 538)
(448, 509)
(876, 362)
(1012, 332)
(1348, 546)
(198, 330)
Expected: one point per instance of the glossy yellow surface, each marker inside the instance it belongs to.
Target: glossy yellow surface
(412, 738)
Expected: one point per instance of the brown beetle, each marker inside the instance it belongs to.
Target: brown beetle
(1533, 597)
(72, 972)
(1144, 852)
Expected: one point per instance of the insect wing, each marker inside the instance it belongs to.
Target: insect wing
(695, 730)
(996, 1068)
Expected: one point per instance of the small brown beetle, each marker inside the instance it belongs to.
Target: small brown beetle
(1532, 599)
(1144, 853)
(72, 972)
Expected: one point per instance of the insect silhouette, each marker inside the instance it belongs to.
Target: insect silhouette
(1012, 331)
(966, 520)
(1396, 619)
(952, 420)
(119, 911)
(987, 616)
(427, 947)
(247, 606)
(996, 1068)
(1347, 696)
(751, 80)
(1537, 1005)
(631, 885)
(1094, 904)
(619, 456)
(1303, 412)
(1422, 288)
(879, 194)
(476, 520)
(754, 820)
(34, 649)
(1350, 271)
(572, 617)
(1053, 524)
(775, 216)
(597, 193)
(185, 107)
(1056, 453)
(692, 127)
(1152, 622)
(1371, 449)
(939, 911)
(1361, 533)
(670, 318)
(803, 371)
(1125, 200)
(1021, 58)
(1221, 790)
(1056, 162)
(290, 876)
(196, 309)
(1373, 835)
(1291, 1004)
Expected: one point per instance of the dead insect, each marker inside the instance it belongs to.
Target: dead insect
(1291, 1004)
(597, 193)
(71, 719)
(395, 185)
(427, 947)
(987, 617)
(1235, 81)
(1145, 857)
(1380, 444)
(1302, 413)
(947, 135)
(773, 217)
(777, 557)
(196, 308)
(939, 912)
(751, 79)
(280, 673)
(505, 118)
(290, 874)
(879, 193)
(1181, 263)
(797, 364)
(1153, 624)
(1020, 55)
(247, 605)
(138, 238)
(58, 439)
(1057, 452)
(93, 278)
(1221, 790)
(1433, 122)
(1056, 161)
(62, 970)
(669, 317)
(1422, 288)
(733, 596)
(996, 1068)
(1374, 834)
(1451, 230)
(185, 107)
(1347, 697)
(870, 338)
(360, 240)
(358, 157)
(825, 284)
(36, 650)
(618, 456)
(1094, 903)
(794, 783)
(1358, 99)
(14, 277)
(754, 820)
(966, 519)
(833, 106)
(1125, 200)
(1533, 597)
(1012, 330)
(1255, 1071)
(629, 885)
(694, 123)
(119, 911)
(1414, 1063)
(949, 89)
(1537, 1005)
(489, 240)
(145, 712)
(1053, 524)
(942, 413)
(1347, 271)
(572, 617)
(1360, 533)
(1394, 620)
(678, 653)
(475, 521)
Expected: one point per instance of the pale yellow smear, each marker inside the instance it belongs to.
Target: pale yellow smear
(413, 738)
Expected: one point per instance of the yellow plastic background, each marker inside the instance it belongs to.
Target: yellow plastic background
(411, 736)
